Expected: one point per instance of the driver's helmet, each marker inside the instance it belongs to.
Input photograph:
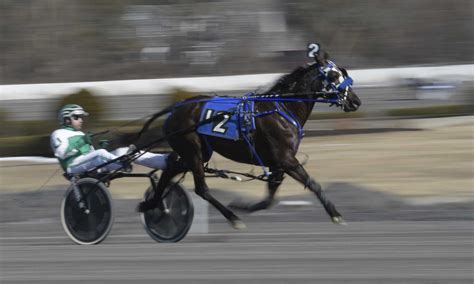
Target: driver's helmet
(69, 110)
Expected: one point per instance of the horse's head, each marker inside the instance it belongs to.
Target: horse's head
(323, 77)
(334, 79)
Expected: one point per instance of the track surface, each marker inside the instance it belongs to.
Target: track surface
(386, 241)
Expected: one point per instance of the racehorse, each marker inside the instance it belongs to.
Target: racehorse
(275, 138)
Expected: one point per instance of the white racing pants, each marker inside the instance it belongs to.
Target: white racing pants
(98, 157)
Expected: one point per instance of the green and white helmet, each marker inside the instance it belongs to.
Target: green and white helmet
(69, 110)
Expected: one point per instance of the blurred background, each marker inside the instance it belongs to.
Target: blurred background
(89, 40)
(68, 41)
(400, 169)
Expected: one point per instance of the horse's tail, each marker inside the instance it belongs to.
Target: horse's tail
(153, 118)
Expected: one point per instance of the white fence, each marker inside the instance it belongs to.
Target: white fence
(362, 78)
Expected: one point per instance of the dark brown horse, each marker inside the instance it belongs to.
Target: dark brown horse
(275, 138)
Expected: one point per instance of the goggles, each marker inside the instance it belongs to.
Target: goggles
(77, 117)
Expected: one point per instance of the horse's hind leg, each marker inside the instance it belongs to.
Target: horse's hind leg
(203, 191)
(297, 171)
(174, 168)
(275, 179)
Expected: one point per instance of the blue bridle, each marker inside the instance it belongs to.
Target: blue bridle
(332, 86)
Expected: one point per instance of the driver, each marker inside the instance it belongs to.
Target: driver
(76, 154)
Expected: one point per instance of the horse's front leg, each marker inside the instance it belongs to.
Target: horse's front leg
(274, 181)
(297, 171)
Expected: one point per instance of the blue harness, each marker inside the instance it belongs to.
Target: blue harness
(240, 122)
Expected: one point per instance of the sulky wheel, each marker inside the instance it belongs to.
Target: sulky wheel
(89, 220)
(171, 221)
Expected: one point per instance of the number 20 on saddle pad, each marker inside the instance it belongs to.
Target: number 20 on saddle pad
(240, 122)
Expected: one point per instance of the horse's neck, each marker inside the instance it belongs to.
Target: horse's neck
(300, 110)
(290, 84)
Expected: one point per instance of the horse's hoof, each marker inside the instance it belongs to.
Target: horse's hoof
(338, 220)
(238, 225)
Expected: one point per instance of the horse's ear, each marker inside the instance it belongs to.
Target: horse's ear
(344, 71)
(320, 58)
(326, 56)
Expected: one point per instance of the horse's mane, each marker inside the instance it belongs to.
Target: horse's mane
(286, 82)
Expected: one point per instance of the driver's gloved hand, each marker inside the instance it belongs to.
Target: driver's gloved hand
(103, 144)
(88, 138)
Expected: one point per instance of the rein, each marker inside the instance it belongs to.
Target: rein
(286, 97)
(135, 154)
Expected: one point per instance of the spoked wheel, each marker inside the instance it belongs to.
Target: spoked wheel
(90, 221)
(171, 221)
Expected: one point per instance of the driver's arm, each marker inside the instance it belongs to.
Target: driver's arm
(62, 148)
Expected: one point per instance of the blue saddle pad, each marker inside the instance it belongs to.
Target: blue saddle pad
(230, 126)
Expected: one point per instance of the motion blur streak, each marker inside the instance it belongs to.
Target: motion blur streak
(400, 170)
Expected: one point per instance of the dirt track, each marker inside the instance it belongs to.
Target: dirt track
(388, 240)
(435, 163)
